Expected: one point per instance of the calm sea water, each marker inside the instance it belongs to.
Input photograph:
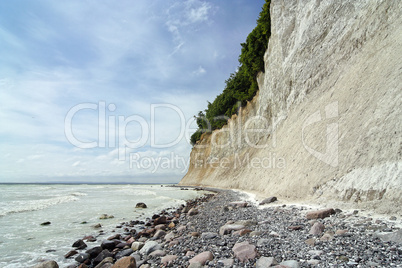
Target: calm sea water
(24, 242)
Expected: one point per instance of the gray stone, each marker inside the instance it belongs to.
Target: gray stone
(227, 262)
(268, 200)
(208, 235)
(226, 229)
(266, 262)
(391, 237)
(137, 245)
(291, 263)
(159, 234)
(317, 228)
(150, 247)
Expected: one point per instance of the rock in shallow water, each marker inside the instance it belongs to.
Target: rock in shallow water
(47, 264)
(140, 205)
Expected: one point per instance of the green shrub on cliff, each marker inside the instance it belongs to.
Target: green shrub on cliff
(241, 86)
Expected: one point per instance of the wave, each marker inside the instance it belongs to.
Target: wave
(78, 194)
(33, 205)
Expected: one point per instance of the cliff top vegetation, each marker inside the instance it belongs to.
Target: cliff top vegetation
(242, 85)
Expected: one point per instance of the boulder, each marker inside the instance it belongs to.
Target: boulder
(70, 253)
(93, 252)
(228, 228)
(105, 216)
(317, 228)
(160, 220)
(208, 235)
(244, 251)
(169, 236)
(157, 253)
(227, 262)
(82, 257)
(268, 200)
(140, 205)
(105, 254)
(202, 258)
(393, 237)
(320, 214)
(79, 244)
(105, 263)
(137, 246)
(125, 262)
(168, 259)
(290, 264)
(238, 204)
(192, 212)
(159, 234)
(264, 262)
(160, 227)
(47, 264)
(108, 244)
(150, 247)
(123, 253)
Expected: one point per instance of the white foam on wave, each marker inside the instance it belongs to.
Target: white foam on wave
(32, 205)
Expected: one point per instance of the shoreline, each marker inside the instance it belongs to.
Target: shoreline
(222, 229)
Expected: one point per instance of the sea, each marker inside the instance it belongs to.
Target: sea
(72, 210)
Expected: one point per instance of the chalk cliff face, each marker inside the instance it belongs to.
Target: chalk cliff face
(326, 124)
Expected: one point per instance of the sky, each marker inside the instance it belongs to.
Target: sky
(106, 91)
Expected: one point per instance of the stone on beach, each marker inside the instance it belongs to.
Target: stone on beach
(168, 259)
(82, 257)
(290, 263)
(105, 254)
(150, 247)
(192, 212)
(320, 214)
(125, 262)
(268, 200)
(108, 244)
(244, 251)
(137, 245)
(124, 253)
(105, 263)
(208, 235)
(228, 228)
(202, 258)
(238, 204)
(159, 234)
(264, 262)
(93, 252)
(47, 264)
(317, 228)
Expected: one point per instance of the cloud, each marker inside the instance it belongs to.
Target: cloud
(199, 71)
(56, 56)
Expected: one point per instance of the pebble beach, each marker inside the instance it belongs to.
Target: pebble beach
(222, 229)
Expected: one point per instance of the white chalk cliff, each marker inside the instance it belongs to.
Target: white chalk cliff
(326, 124)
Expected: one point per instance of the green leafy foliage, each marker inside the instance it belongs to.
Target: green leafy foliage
(241, 85)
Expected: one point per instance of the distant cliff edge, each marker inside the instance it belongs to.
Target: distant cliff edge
(326, 124)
